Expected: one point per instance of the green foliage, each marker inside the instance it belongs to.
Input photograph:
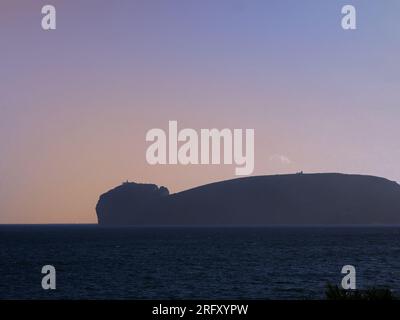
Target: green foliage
(333, 292)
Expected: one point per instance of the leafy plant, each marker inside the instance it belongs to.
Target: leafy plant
(333, 292)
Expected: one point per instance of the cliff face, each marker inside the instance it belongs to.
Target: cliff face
(280, 199)
(128, 203)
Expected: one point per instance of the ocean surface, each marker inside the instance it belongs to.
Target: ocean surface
(94, 262)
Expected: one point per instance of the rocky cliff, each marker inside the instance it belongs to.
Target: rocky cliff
(327, 198)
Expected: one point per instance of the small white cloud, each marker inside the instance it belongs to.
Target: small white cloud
(280, 158)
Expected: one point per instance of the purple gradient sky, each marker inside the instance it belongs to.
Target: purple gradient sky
(76, 103)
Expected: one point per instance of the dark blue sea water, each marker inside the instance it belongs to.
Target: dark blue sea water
(94, 262)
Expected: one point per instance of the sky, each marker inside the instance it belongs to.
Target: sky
(76, 102)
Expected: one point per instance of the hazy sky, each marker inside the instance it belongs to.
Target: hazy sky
(76, 102)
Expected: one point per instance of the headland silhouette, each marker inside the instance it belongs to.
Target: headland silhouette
(298, 199)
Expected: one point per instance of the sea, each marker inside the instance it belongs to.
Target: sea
(276, 262)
